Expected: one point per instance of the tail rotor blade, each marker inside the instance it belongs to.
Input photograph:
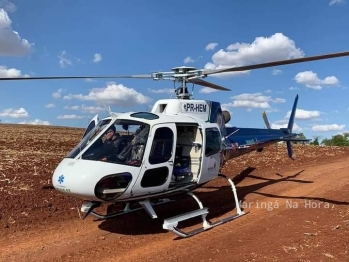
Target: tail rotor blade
(266, 121)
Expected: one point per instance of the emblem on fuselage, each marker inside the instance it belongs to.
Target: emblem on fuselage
(61, 179)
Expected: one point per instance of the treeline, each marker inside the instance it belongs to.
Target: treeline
(336, 140)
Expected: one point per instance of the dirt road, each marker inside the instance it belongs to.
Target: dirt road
(298, 215)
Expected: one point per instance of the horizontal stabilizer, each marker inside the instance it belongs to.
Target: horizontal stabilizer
(294, 139)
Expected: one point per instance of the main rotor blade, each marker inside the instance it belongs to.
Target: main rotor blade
(72, 77)
(276, 63)
(207, 84)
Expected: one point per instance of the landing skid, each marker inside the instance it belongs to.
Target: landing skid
(172, 223)
(87, 208)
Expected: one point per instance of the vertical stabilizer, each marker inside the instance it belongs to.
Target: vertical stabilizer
(293, 114)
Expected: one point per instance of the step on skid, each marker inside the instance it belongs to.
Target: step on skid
(172, 222)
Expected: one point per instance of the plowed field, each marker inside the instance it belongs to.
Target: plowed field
(297, 210)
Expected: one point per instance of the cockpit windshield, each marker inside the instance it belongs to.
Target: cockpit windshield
(88, 138)
(121, 142)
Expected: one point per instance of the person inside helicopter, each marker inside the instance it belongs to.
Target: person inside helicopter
(107, 149)
(120, 143)
(132, 154)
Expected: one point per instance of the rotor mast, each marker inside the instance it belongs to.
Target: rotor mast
(181, 75)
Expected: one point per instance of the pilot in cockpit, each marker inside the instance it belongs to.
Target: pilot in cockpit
(133, 152)
(109, 140)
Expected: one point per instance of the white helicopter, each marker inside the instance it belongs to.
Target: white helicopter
(180, 145)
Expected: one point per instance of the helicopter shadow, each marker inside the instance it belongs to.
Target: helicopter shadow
(219, 199)
(244, 190)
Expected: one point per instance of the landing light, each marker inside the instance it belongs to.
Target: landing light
(112, 186)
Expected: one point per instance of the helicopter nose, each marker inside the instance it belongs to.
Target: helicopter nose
(91, 180)
(68, 180)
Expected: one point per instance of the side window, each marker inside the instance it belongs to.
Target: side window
(155, 177)
(213, 141)
(161, 149)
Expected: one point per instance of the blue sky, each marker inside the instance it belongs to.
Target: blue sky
(49, 38)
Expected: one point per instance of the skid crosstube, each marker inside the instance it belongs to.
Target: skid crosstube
(87, 208)
(172, 223)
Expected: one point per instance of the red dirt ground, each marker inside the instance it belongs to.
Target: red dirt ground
(297, 210)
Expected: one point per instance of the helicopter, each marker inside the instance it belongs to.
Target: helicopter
(177, 147)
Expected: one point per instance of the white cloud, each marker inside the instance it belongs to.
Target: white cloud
(10, 42)
(50, 105)
(278, 100)
(255, 100)
(162, 91)
(97, 58)
(57, 94)
(207, 90)
(304, 114)
(332, 2)
(326, 128)
(188, 59)
(272, 110)
(86, 109)
(70, 117)
(311, 80)
(280, 124)
(14, 113)
(211, 46)
(276, 72)
(72, 107)
(10, 72)
(92, 109)
(293, 88)
(261, 50)
(63, 59)
(268, 91)
(8, 6)
(36, 122)
(113, 94)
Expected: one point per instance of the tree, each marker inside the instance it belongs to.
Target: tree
(337, 140)
(315, 142)
(301, 136)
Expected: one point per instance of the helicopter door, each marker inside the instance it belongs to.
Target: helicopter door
(211, 154)
(159, 155)
(91, 125)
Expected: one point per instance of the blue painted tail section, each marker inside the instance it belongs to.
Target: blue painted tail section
(293, 114)
(249, 139)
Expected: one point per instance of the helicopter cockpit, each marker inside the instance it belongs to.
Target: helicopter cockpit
(122, 141)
